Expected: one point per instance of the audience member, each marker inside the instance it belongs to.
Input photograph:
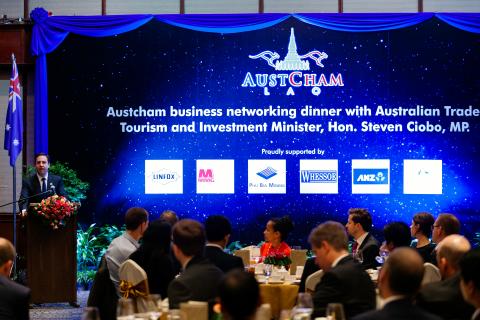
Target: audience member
(421, 229)
(239, 295)
(396, 234)
(169, 216)
(445, 225)
(200, 278)
(344, 279)
(470, 280)
(276, 232)
(444, 298)
(153, 256)
(364, 243)
(13, 296)
(398, 282)
(136, 221)
(218, 230)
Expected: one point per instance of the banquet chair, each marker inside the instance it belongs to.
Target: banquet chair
(134, 285)
(313, 280)
(298, 258)
(432, 273)
(244, 254)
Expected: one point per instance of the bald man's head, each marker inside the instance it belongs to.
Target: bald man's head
(404, 271)
(452, 249)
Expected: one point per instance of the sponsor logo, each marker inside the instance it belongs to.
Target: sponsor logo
(267, 173)
(318, 176)
(205, 175)
(164, 176)
(370, 176)
(295, 63)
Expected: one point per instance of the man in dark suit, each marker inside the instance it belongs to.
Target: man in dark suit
(344, 280)
(398, 282)
(13, 296)
(40, 182)
(200, 278)
(444, 298)
(470, 280)
(365, 245)
(218, 230)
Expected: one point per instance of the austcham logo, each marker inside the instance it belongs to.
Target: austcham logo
(300, 75)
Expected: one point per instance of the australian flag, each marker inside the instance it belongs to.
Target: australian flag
(14, 123)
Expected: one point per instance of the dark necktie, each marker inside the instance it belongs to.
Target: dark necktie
(44, 184)
(354, 247)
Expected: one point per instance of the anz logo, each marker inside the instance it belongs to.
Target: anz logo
(370, 176)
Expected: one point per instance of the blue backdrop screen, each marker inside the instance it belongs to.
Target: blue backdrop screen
(291, 119)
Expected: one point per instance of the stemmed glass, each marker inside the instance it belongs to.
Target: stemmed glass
(90, 313)
(125, 309)
(304, 308)
(335, 311)
(358, 256)
(153, 306)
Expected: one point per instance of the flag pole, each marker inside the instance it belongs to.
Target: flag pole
(14, 218)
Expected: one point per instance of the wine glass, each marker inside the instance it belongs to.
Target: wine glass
(267, 270)
(154, 304)
(335, 311)
(90, 313)
(358, 256)
(125, 309)
(304, 307)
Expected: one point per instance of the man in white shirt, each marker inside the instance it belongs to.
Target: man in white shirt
(470, 280)
(136, 221)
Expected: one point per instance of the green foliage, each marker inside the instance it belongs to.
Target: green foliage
(75, 188)
(92, 242)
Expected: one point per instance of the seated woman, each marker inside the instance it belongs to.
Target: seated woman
(153, 256)
(275, 235)
(421, 229)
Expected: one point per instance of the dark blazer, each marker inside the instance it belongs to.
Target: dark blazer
(444, 299)
(199, 282)
(397, 310)
(223, 260)
(13, 300)
(346, 283)
(31, 186)
(369, 249)
(159, 269)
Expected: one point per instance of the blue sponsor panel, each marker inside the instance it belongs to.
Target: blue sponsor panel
(318, 176)
(370, 176)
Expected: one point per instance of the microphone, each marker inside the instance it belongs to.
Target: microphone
(52, 189)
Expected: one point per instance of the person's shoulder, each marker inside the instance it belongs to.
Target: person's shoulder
(15, 288)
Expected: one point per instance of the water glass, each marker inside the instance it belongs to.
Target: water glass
(125, 310)
(267, 269)
(335, 311)
(154, 305)
(90, 313)
(304, 308)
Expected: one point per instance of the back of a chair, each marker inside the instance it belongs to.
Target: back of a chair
(313, 280)
(244, 254)
(134, 284)
(432, 273)
(298, 258)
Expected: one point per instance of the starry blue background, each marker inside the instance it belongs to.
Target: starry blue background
(157, 65)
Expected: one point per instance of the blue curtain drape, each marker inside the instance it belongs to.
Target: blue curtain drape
(49, 32)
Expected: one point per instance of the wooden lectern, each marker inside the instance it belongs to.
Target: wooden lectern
(51, 260)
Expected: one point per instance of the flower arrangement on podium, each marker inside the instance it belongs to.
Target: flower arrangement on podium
(55, 211)
(278, 259)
